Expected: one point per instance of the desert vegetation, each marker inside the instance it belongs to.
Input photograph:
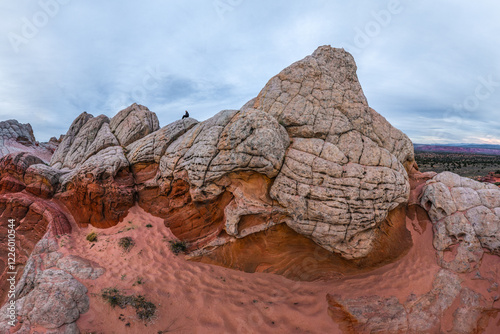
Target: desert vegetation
(178, 246)
(92, 237)
(126, 243)
(463, 164)
(145, 309)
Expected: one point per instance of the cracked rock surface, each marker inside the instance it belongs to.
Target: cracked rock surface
(16, 137)
(345, 169)
(48, 297)
(466, 218)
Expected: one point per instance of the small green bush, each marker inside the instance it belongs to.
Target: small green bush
(126, 243)
(149, 225)
(178, 246)
(92, 237)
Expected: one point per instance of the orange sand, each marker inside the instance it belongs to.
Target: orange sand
(194, 297)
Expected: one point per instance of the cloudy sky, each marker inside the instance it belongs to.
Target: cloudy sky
(431, 68)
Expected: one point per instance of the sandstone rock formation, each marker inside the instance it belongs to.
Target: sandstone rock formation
(345, 169)
(331, 167)
(99, 186)
(465, 223)
(16, 137)
(466, 218)
(47, 295)
(342, 174)
(13, 130)
(328, 166)
(133, 123)
(25, 186)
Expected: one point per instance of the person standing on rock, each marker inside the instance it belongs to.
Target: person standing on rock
(186, 115)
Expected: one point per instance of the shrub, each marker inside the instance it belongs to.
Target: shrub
(178, 246)
(92, 237)
(144, 309)
(114, 297)
(126, 243)
(149, 225)
(139, 281)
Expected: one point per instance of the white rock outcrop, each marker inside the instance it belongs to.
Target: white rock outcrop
(466, 217)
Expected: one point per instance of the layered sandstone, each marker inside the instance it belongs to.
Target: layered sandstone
(16, 137)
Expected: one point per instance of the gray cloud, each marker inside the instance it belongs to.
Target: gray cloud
(420, 63)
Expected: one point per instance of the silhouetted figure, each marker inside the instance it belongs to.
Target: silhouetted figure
(186, 115)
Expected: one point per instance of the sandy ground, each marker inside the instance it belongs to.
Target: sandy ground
(193, 297)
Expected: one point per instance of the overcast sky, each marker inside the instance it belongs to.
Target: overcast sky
(432, 68)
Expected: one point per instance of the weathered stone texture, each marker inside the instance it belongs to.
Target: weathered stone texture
(466, 218)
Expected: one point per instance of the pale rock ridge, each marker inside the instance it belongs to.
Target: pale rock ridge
(94, 169)
(345, 169)
(466, 217)
(89, 135)
(230, 141)
(153, 146)
(59, 156)
(103, 165)
(92, 137)
(133, 123)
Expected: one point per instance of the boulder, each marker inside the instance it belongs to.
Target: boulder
(42, 180)
(56, 300)
(465, 215)
(13, 168)
(79, 267)
(133, 123)
(49, 299)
